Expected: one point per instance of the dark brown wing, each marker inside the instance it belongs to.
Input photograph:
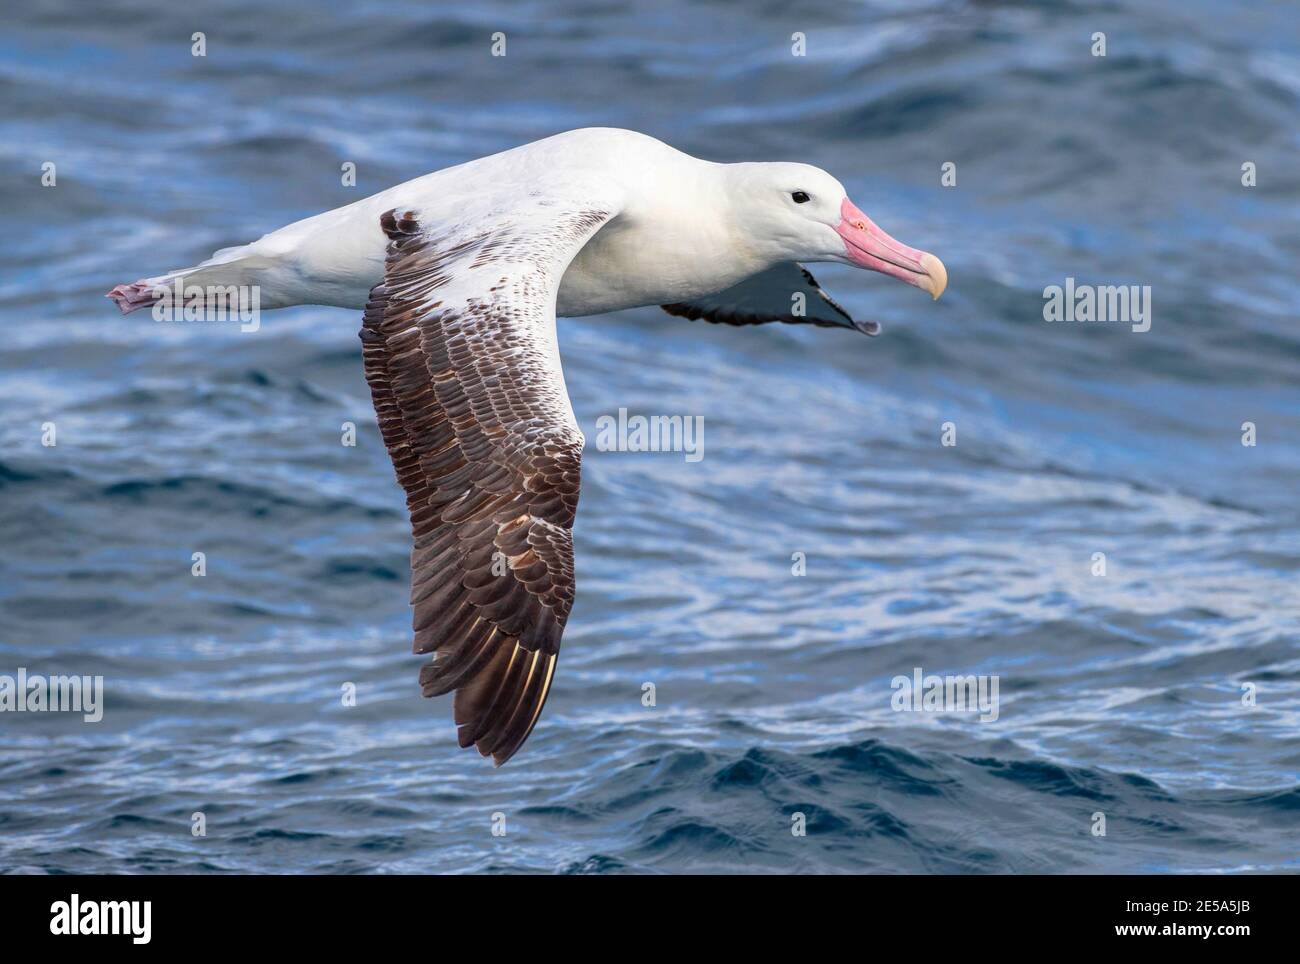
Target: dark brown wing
(785, 292)
(461, 357)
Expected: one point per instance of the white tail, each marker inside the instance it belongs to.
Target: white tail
(229, 266)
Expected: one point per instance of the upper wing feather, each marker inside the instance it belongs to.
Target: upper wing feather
(463, 366)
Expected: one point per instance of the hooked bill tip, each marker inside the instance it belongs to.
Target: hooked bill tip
(936, 274)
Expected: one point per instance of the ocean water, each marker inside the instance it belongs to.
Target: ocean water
(1127, 695)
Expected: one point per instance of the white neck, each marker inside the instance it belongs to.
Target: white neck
(676, 240)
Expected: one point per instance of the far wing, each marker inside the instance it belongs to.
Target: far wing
(780, 293)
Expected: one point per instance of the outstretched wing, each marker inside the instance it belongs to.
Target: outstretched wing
(785, 292)
(464, 369)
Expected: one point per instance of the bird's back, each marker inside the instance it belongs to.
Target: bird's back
(667, 243)
(336, 257)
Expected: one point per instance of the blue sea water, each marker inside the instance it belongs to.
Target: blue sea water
(1120, 695)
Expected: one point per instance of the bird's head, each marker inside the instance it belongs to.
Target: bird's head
(797, 212)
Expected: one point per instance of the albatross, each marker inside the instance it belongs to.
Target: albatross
(460, 275)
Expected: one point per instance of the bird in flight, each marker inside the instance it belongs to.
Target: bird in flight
(461, 274)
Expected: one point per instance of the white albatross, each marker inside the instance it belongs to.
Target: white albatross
(461, 274)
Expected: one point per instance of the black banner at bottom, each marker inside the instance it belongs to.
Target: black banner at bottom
(225, 913)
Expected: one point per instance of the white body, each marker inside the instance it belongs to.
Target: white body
(670, 250)
(676, 229)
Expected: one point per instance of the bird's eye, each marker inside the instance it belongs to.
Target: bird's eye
(800, 197)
